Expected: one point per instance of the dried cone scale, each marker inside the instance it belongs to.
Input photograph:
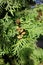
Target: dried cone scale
(20, 30)
(23, 33)
(19, 36)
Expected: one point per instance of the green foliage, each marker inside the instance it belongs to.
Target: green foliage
(21, 46)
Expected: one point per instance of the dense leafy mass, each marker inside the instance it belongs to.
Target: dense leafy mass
(20, 27)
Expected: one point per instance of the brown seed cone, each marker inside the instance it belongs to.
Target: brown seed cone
(23, 33)
(18, 21)
(19, 36)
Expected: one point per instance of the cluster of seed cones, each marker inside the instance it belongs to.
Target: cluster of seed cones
(21, 31)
